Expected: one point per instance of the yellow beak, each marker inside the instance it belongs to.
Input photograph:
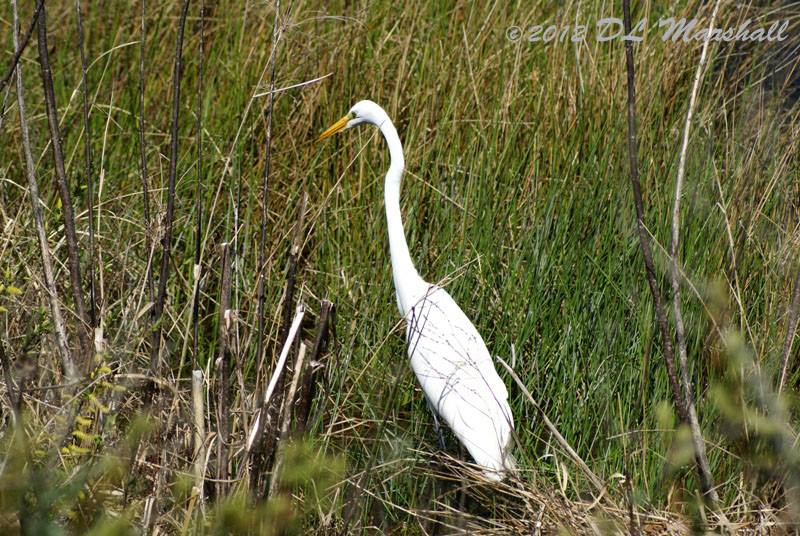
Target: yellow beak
(339, 125)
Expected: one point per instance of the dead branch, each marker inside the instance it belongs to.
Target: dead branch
(67, 215)
(87, 143)
(9, 378)
(287, 416)
(291, 270)
(262, 241)
(308, 390)
(593, 478)
(166, 241)
(67, 364)
(257, 446)
(698, 443)
(198, 410)
(24, 44)
(224, 373)
(196, 272)
(644, 240)
(143, 172)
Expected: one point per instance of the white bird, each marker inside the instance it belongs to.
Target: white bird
(446, 352)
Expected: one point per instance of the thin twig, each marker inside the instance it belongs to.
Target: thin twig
(253, 436)
(198, 197)
(593, 478)
(166, 241)
(633, 526)
(698, 443)
(644, 241)
(223, 372)
(291, 270)
(19, 50)
(67, 364)
(287, 417)
(293, 86)
(87, 142)
(256, 447)
(143, 171)
(262, 242)
(167, 434)
(198, 410)
(308, 386)
(67, 215)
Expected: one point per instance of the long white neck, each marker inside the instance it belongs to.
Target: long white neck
(406, 278)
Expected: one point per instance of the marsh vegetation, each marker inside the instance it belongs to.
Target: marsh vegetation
(194, 231)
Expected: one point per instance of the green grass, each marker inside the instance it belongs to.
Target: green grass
(516, 196)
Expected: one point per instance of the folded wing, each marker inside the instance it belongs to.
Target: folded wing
(459, 380)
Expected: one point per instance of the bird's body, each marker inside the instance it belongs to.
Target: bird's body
(446, 352)
(457, 375)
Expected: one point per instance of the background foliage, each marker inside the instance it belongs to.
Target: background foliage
(516, 198)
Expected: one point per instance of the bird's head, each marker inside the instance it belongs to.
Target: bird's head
(364, 111)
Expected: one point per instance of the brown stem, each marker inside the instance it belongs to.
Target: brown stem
(286, 420)
(291, 270)
(263, 432)
(68, 216)
(166, 241)
(698, 443)
(262, 241)
(308, 384)
(143, 171)
(224, 373)
(18, 51)
(167, 435)
(67, 364)
(87, 142)
(198, 197)
(199, 443)
(644, 239)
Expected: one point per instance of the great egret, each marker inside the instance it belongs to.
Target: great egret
(446, 352)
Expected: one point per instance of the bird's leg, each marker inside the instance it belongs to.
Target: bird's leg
(437, 427)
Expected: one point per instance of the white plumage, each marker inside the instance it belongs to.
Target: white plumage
(458, 378)
(447, 354)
